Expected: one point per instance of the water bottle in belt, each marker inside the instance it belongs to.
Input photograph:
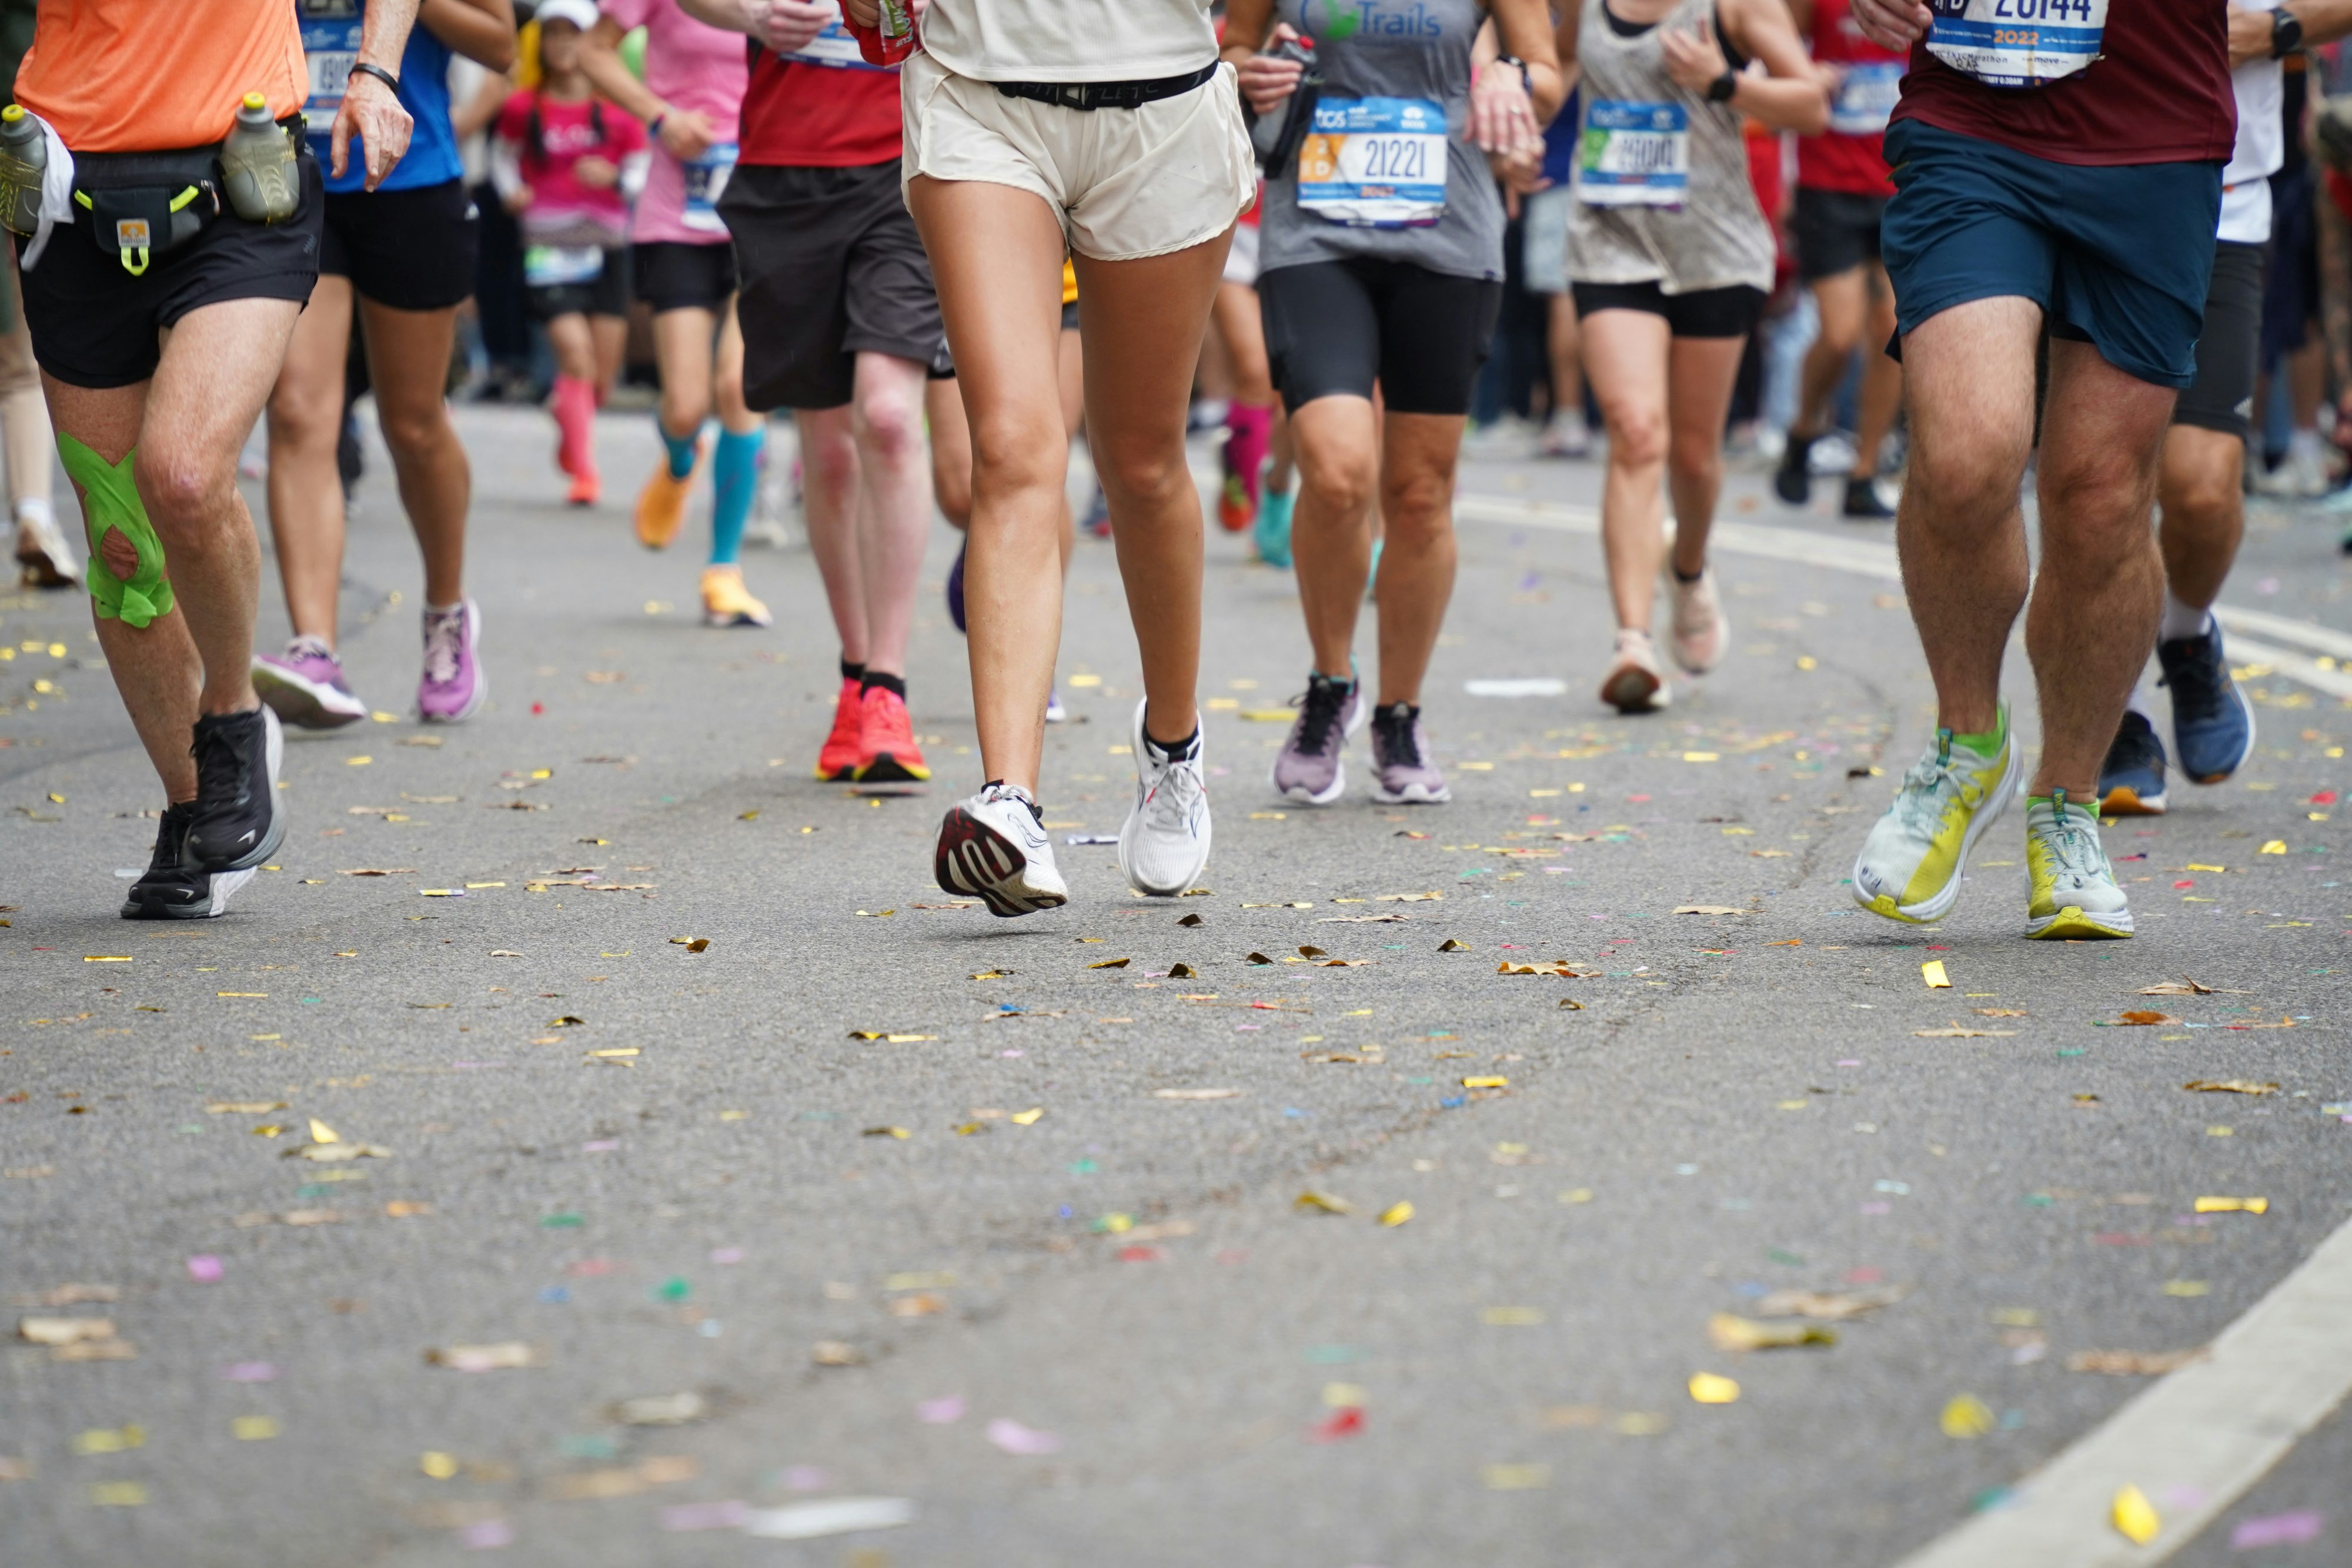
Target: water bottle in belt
(264, 176)
(24, 164)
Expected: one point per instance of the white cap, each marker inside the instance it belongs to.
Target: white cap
(580, 14)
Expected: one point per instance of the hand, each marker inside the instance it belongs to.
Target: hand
(2250, 35)
(1520, 169)
(516, 200)
(1892, 24)
(1693, 59)
(686, 133)
(788, 25)
(864, 13)
(1502, 120)
(596, 173)
(1266, 81)
(370, 113)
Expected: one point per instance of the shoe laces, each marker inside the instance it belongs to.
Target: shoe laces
(1176, 797)
(2198, 681)
(1399, 735)
(308, 647)
(893, 718)
(444, 639)
(220, 762)
(1319, 712)
(1929, 790)
(2073, 844)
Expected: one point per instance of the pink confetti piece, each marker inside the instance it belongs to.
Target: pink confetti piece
(2278, 1529)
(705, 1516)
(249, 1372)
(1015, 1438)
(487, 1535)
(807, 1478)
(204, 1269)
(727, 1254)
(940, 1412)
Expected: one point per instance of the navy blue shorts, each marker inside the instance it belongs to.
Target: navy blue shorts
(2117, 256)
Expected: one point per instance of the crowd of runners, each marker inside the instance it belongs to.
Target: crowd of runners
(950, 237)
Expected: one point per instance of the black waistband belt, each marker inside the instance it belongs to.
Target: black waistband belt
(1093, 95)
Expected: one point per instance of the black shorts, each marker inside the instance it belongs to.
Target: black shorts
(832, 268)
(606, 294)
(2223, 396)
(1835, 232)
(94, 325)
(674, 275)
(1335, 328)
(1730, 312)
(408, 250)
(2291, 298)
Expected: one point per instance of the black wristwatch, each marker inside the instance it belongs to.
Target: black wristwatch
(2287, 33)
(1525, 80)
(1720, 89)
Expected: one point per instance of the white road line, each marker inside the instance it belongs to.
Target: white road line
(1870, 557)
(2210, 1431)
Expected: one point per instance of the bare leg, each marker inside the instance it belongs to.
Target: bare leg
(682, 350)
(1566, 368)
(572, 340)
(1330, 532)
(408, 361)
(1235, 314)
(1418, 456)
(306, 490)
(950, 450)
(2204, 510)
(894, 501)
(1625, 354)
(1959, 531)
(727, 377)
(1843, 301)
(1882, 377)
(1699, 376)
(611, 336)
(829, 495)
(2100, 592)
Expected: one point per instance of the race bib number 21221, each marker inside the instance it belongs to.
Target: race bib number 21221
(2017, 43)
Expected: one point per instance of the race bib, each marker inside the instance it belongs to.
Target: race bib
(547, 266)
(1633, 155)
(331, 46)
(2017, 43)
(1374, 162)
(837, 48)
(706, 182)
(1866, 96)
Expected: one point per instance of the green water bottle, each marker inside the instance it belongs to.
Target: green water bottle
(24, 164)
(265, 183)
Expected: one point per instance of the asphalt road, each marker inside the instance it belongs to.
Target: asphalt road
(1110, 1333)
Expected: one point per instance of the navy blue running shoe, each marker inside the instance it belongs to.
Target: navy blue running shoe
(2131, 781)
(2213, 721)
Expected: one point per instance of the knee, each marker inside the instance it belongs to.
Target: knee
(2203, 501)
(1694, 456)
(1416, 503)
(684, 407)
(301, 422)
(2095, 495)
(1962, 485)
(1013, 454)
(1637, 438)
(184, 497)
(889, 425)
(414, 427)
(1150, 476)
(830, 465)
(1342, 479)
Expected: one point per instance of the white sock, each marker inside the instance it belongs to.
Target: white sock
(2181, 621)
(32, 508)
(2139, 702)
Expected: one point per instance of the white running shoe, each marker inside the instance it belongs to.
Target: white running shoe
(994, 847)
(1164, 846)
(1634, 684)
(44, 559)
(1701, 629)
(2303, 474)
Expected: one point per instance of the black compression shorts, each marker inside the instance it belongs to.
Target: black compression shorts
(2223, 396)
(1730, 312)
(410, 250)
(1335, 328)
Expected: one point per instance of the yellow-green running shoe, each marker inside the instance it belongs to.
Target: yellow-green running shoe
(2075, 891)
(1910, 866)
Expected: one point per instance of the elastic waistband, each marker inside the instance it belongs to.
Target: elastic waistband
(1094, 95)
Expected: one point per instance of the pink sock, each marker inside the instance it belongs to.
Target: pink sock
(575, 406)
(1248, 427)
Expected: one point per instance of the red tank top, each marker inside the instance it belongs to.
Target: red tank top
(1846, 156)
(2159, 92)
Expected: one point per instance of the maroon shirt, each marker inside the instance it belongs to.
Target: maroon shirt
(2158, 93)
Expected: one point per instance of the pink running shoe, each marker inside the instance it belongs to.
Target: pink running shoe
(453, 685)
(305, 686)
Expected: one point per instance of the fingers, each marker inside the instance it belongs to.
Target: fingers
(339, 156)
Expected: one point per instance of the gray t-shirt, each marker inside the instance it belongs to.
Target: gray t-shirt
(1395, 73)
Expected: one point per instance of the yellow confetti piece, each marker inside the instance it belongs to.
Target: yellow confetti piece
(357, 761)
(110, 1439)
(616, 1050)
(1321, 1203)
(1396, 1214)
(2275, 847)
(1027, 1118)
(1486, 1083)
(118, 1494)
(249, 995)
(2134, 1517)
(1577, 1195)
(1511, 1317)
(437, 1465)
(2194, 865)
(1966, 1417)
(1807, 662)
(899, 1133)
(1932, 971)
(2186, 1287)
(1707, 1388)
(380, 717)
(1701, 757)
(253, 1429)
(322, 1133)
(2233, 1206)
(486, 884)
(108, 958)
(55, 799)
(1082, 682)
(1344, 1395)
(1514, 1477)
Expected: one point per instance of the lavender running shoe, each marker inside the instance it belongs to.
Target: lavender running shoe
(305, 687)
(1401, 761)
(1310, 769)
(453, 685)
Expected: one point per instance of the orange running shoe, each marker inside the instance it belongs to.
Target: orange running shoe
(1236, 508)
(587, 488)
(886, 752)
(837, 762)
(661, 504)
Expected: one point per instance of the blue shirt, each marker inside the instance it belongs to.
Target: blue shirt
(330, 42)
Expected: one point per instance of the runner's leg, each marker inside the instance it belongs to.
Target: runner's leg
(408, 363)
(1331, 540)
(830, 496)
(950, 450)
(1882, 377)
(1843, 300)
(306, 492)
(893, 502)
(1625, 355)
(1699, 376)
(1419, 454)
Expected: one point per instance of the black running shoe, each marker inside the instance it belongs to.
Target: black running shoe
(236, 821)
(1793, 480)
(2131, 781)
(169, 891)
(1864, 504)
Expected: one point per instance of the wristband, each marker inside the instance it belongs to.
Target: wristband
(1720, 89)
(1526, 81)
(653, 126)
(362, 68)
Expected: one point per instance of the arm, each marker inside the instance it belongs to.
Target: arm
(1523, 28)
(480, 113)
(1792, 98)
(685, 132)
(783, 25)
(1563, 43)
(2250, 32)
(1265, 81)
(371, 110)
(482, 30)
(2335, 291)
(1891, 24)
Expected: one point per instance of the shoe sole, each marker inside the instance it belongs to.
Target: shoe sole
(1413, 795)
(838, 775)
(2123, 800)
(41, 570)
(271, 836)
(302, 702)
(735, 618)
(1358, 717)
(222, 884)
(976, 861)
(1935, 908)
(1635, 690)
(2072, 924)
(887, 769)
(2244, 707)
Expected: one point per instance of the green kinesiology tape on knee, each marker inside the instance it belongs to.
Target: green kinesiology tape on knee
(110, 501)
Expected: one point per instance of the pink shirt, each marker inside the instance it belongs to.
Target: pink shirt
(690, 65)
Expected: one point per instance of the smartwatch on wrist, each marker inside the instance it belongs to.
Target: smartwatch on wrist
(1514, 61)
(1720, 89)
(2287, 33)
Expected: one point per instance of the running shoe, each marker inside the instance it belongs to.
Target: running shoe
(453, 686)
(836, 760)
(2075, 891)
(886, 752)
(2131, 781)
(661, 504)
(955, 587)
(1098, 518)
(1635, 682)
(1401, 761)
(1272, 534)
(587, 489)
(1055, 711)
(1310, 769)
(1164, 845)
(727, 602)
(2213, 721)
(236, 820)
(169, 891)
(305, 687)
(1792, 481)
(1566, 437)
(1865, 502)
(1911, 865)
(1701, 629)
(2303, 474)
(1236, 508)
(994, 847)
(44, 559)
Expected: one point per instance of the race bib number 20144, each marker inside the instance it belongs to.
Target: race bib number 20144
(2017, 43)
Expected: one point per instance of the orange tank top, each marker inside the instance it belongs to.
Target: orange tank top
(143, 76)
